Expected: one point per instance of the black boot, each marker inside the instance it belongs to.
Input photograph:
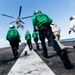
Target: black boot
(38, 48)
(25, 53)
(15, 53)
(45, 54)
(74, 47)
(65, 60)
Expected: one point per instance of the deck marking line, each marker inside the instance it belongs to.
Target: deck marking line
(31, 64)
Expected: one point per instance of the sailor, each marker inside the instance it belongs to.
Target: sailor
(13, 37)
(28, 39)
(43, 22)
(35, 37)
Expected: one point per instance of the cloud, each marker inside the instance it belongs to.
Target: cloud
(1, 40)
(71, 0)
(66, 35)
(3, 43)
(0, 28)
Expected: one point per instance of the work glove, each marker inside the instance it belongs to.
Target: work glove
(69, 32)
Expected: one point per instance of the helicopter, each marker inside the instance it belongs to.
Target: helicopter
(18, 20)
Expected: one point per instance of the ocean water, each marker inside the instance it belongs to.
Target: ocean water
(68, 39)
(61, 40)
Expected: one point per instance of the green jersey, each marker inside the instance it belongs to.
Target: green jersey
(39, 19)
(12, 32)
(27, 36)
(35, 34)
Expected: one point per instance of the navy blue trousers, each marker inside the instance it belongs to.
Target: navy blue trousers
(29, 43)
(45, 31)
(36, 42)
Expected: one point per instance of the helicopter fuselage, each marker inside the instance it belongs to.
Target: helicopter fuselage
(18, 23)
(17, 20)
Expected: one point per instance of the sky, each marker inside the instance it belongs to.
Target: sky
(59, 10)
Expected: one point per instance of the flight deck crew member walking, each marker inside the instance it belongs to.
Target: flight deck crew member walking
(42, 22)
(13, 37)
(35, 37)
(28, 39)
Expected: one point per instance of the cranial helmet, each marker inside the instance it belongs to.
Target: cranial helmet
(12, 26)
(37, 11)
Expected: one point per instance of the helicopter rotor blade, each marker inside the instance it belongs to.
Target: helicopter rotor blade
(20, 11)
(22, 22)
(7, 16)
(27, 17)
(11, 22)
